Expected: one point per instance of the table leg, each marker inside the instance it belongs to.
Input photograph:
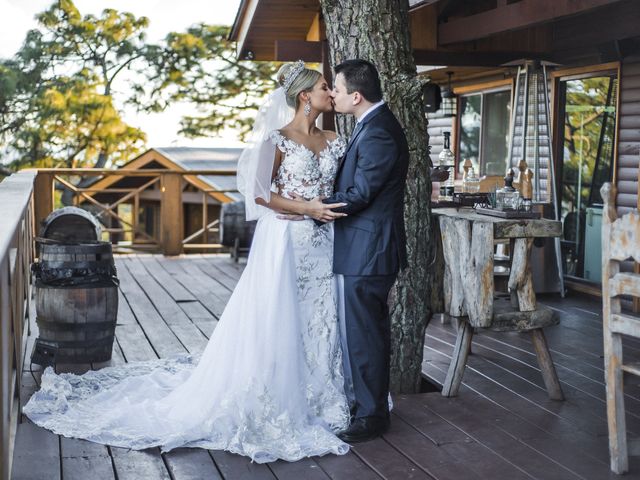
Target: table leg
(523, 296)
(458, 360)
(547, 368)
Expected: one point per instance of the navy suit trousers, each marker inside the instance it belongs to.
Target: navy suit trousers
(368, 331)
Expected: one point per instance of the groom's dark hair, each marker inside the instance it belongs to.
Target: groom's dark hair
(361, 76)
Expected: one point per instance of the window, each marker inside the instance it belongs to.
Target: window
(587, 107)
(484, 131)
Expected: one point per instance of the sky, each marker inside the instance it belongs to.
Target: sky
(17, 17)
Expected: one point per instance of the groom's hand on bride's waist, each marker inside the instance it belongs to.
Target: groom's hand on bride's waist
(320, 211)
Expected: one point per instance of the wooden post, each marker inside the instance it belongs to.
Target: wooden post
(43, 196)
(171, 213)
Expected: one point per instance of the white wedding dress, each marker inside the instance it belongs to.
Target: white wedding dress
(269, 385)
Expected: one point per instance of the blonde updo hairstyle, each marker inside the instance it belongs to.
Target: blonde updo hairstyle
(304, 82)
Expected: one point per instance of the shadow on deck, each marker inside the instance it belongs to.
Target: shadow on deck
(502, 424)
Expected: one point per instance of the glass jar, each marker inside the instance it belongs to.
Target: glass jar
(471, 183)
(507, 198)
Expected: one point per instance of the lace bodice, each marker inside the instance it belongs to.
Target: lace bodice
(302, 171)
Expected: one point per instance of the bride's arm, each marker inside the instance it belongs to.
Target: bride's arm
(281, 204)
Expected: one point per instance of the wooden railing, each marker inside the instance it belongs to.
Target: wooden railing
(169, 238)
(16, 255)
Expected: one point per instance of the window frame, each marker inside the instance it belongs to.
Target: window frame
(482, 89)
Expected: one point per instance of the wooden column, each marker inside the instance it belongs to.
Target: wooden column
(43, 197)
(171, 213)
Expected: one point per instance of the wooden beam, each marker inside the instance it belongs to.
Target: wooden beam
(292, 50)
(513, 16)
(423, 25)
(43, 197)
(172, 222)
(470, 59)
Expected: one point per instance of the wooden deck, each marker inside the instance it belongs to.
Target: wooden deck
(502, 425)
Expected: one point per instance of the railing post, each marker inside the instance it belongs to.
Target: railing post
(171, 213)
(43, 193)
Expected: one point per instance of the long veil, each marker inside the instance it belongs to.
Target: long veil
(255, 166)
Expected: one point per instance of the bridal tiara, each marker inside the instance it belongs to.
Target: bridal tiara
(293, 74)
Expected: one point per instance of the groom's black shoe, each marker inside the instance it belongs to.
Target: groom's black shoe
(363, 429)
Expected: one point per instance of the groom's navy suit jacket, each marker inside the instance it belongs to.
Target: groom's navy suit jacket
(371, 178)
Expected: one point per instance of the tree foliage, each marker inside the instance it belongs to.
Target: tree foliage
(62, 95)
(199, 66)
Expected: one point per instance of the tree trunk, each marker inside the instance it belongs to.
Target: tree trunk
(378, 31)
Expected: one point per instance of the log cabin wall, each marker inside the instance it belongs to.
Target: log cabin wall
(438, 123)
(626, 176)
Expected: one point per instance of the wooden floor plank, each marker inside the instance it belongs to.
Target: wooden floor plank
(587, 393)
(156, 330)
(567, 410)
(212, 285)
(214, 304)
(178, 321)
(226, 265)
(500, 442)
(305, 468)
(82, 460)
(36, 454)
(164, 278)
(125, 315)
(346, 467)
(523, 409)
(139, 465)
(191, 464)
(457, 443)
(135, 345)
(235, 467)
(379, 455)
(212, 267)
(423, 452)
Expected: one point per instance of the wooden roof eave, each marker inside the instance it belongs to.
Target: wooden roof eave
(259, 24)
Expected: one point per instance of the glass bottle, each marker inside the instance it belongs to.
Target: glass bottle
(446, 160)
(446, 157)
(471, 183)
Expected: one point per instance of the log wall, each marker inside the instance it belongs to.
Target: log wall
(628, 136)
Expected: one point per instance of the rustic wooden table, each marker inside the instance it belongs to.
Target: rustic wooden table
(467, 241)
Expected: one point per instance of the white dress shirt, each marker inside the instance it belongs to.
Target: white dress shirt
(370, 109)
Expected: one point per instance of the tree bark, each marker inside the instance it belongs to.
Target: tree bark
(378, 31)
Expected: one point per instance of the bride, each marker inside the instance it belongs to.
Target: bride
(269, 384)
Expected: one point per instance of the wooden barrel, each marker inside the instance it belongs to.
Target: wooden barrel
(71, 225)
(77, 301)
(233, 225)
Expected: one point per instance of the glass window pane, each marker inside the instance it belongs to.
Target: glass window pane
(589, 109)
(495, 132)
(470, 119)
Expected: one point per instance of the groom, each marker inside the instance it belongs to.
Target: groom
(369, 245)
